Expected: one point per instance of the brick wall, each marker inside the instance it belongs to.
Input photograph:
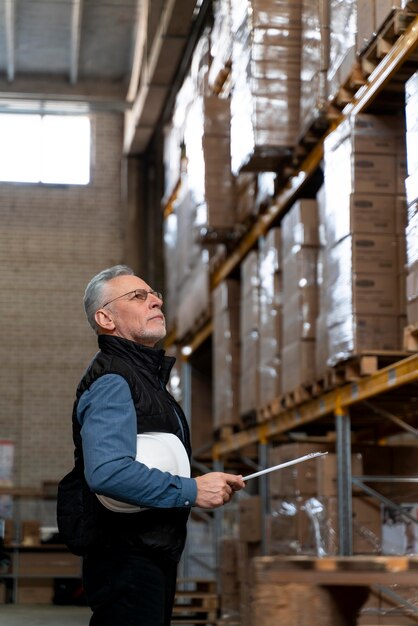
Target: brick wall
(52, 241)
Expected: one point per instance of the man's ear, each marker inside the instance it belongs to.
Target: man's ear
(104, 320)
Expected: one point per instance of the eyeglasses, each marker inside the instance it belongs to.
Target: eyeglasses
(137, 294)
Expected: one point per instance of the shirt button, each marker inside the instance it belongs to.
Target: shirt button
(187, 503)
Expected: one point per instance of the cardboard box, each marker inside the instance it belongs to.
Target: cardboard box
(47, 562)
(35, 591)
(362, 333)
(327, 474)
(298, 364)
(300, 226)
(250, 519)
(366, 20)
(309, 526)
(299, 315)
(359, 214)
(383, 9)
(299, 479)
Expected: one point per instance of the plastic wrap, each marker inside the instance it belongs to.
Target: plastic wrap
(226, 353)
(194, 298)
(220, 44)
(309, 526)
(343, 29)
(300, 226)
(300, 245)
(411, 115)
(412, 242)
(362, 333)
(172, 159)
(300, 294)
(314, 59)
(170, 269)
(270, 317)
(249, 332)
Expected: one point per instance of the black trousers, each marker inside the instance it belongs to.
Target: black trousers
(125, 589)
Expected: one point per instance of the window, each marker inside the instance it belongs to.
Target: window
(52, 149)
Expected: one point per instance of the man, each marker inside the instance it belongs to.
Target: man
(130, 559)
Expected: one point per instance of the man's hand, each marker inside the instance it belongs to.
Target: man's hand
(217, 488)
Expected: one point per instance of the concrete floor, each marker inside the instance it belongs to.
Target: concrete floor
(39, 615)
(45, 615)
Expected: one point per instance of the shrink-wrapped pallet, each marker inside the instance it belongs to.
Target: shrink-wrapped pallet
(226, 354)
(300, 246)
(362, 291)
(343, 29)
(250, 334)
(270, 272)
(411, 231)
(266, 82)
(314, 61)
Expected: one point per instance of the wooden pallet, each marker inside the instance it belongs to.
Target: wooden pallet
(249, 419)
(222, 84)
(350, 86)
(410, 338)
(346, 371)
(196, 602)
(395, 24)
(363, 364)
(225, 432)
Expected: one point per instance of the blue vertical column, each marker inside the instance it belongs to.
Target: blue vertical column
(345, 516)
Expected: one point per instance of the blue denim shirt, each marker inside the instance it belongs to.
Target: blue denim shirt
(107, 417)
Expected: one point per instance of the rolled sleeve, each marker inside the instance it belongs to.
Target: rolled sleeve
(107, 416)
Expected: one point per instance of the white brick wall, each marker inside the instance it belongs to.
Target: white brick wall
(52, 241)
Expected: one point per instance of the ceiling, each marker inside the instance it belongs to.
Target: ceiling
(112, 55)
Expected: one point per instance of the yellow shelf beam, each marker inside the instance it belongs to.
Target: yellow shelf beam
(198, 339)
(397, 375)
(286, 197)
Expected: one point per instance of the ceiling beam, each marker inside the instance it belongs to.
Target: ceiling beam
(173, 29)
(76, 20)
(140, 38)
(9, 9)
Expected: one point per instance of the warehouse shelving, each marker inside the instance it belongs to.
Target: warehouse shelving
(375, 84)
(342, 407)
(34, 565)
(386, 380)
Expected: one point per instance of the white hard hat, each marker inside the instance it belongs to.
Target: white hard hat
(163, 451)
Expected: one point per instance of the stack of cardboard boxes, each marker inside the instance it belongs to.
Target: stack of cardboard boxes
(303, 505)
(226, 354)
(363, 299)
(266, 81)
(235, 553)
(342, 45)
(271, 304)
(314, 60)
(300, 246)
(249, 333)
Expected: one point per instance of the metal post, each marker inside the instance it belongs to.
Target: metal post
(345, 527)
(218, 513)
(263, 489)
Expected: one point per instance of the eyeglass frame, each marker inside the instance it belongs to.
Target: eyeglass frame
(143, 298)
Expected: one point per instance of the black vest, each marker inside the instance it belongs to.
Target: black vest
(146, 370)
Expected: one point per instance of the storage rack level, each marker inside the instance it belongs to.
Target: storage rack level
(362, 100)
(33, 570)
(32, 561)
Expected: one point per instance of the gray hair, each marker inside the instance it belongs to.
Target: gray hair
(93, 296)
